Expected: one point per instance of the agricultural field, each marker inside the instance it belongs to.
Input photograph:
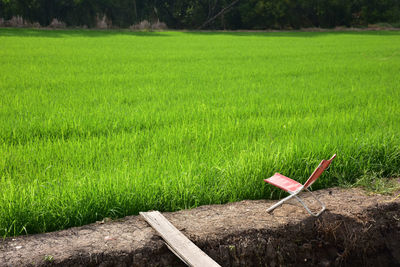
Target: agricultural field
(97, 124)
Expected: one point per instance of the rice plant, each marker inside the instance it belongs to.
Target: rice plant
(98, 124)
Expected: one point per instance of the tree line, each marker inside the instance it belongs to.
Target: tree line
(207, 14)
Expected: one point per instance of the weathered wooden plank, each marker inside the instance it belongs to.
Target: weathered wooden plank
(177, 242)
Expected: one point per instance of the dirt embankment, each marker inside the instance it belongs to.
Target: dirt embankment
(356, 229)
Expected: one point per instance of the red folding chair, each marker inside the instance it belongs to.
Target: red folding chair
(294, 188)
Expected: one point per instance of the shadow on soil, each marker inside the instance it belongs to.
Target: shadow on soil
(357, 230)
(329, 240)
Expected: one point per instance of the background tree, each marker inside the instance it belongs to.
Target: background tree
(208, 14)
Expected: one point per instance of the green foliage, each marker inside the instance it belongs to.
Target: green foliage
(249, 14)
(377, 183)
(98, 124)
(48, 258)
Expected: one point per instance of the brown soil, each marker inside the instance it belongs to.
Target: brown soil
(357, 228)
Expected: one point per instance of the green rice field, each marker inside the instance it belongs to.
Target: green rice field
(98, 124)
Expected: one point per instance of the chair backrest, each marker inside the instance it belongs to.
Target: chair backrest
(318, 171)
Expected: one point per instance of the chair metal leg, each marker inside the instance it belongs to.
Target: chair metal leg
(307, 209)
(301, 201)
(280, 202)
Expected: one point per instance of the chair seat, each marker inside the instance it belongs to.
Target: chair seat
(283, 182)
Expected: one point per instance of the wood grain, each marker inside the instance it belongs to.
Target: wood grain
(177, 242)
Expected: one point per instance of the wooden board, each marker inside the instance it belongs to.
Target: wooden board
(177, 242)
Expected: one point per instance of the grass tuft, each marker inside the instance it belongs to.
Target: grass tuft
(376, 183)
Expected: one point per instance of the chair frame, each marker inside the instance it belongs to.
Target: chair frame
(314, 176)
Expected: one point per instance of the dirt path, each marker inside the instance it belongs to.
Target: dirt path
(357, 228)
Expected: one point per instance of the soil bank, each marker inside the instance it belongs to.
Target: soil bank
(357, 228)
